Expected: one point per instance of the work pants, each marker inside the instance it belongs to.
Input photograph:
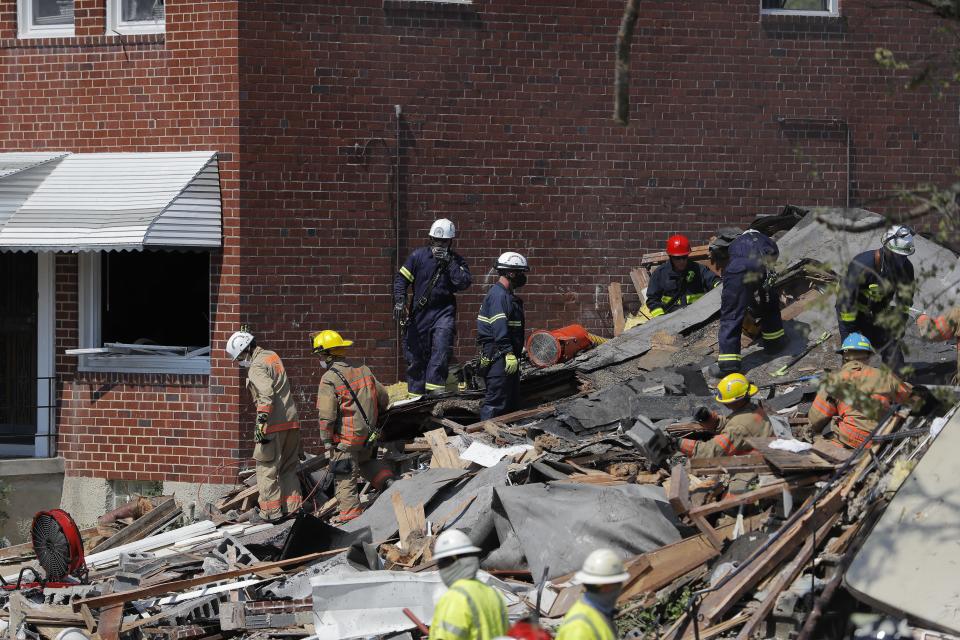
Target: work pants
(348, 467)
(503, 391)
(742, 290)
(427, 351)
(277, 479)
(884, 342)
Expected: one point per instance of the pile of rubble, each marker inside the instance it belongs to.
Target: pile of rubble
(808, 543)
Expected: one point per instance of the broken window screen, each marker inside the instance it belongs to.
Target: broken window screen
(52, 12)
(142, 11)
(799, 5)
(156, 297)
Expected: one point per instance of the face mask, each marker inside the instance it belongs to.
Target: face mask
(324, 364)
(440, 252)
(460, 569)
(519, 280)
(244, 363)
(606, 601)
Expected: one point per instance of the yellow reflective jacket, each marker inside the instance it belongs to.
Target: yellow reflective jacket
(583, 622)
(469, 610)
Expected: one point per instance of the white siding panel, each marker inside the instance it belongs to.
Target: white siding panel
(124, 201)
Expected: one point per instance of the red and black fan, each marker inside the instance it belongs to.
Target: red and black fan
(58, 545)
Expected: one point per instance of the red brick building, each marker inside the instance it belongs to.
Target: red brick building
(341, 132)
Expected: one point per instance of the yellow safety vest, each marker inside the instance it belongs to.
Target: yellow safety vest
(470, 610)
(583, 622)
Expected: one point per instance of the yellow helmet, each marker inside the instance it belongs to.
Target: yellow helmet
(734, 387)
(327, 340)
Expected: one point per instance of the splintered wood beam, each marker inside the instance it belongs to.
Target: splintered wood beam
(616, 307)
(640, 279)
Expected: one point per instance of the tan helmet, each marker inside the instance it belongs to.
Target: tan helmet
(602, 566)
(453, 543)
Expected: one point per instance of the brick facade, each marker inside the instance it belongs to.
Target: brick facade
(505, 128)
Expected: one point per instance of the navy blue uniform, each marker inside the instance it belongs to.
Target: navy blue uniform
(873, 280)
(670, 290)
(499, 332)
(742, 288)
(432, 329)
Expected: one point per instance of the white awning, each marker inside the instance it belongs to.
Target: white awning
(20, 175)
(117, 201)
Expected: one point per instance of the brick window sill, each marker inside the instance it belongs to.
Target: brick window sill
(429, 5)
(83, 41)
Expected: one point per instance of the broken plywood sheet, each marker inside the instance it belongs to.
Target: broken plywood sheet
(907, 566)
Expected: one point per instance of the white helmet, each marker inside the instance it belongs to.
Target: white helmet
(238, 342)
(443, 229)
(453, 543)
(899, 239)
(512, 261)
(602, 566)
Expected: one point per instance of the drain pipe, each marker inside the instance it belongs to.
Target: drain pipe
(397, 110)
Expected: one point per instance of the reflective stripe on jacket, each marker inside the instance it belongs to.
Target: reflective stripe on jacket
(855, 398)
(666, 284)
(340, 421)
(469, 610)
(270, 390)
(500, 323)
(750, 421)
(583, 622)
(418, 271)
(873, 279)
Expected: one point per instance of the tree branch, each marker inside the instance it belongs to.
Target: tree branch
(621, 109)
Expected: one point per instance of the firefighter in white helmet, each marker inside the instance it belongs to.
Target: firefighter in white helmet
(436, 273)
(469, 610)
(277, 430)
(500, 336)
(591, 617)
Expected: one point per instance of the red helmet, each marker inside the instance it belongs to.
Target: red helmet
(678, 246)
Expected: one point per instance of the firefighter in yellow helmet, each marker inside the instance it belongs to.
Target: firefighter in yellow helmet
(591, 617)
(747, 419)
(350, 401)
(469, 610)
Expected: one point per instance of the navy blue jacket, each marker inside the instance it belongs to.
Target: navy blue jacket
(418, 270)
(500, 322)
(751, 251)
(666, 285)
(873, 279)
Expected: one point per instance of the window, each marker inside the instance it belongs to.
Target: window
(800, 7)
(128, 17)
(44, 18)
(145, 312)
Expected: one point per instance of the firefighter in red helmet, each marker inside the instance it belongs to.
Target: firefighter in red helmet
(679, 282)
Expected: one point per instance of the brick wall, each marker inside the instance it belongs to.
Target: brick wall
(172, 92)
(506, 128)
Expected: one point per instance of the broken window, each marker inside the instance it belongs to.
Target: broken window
(135, 16)
(45, 18)
(145, 311)
(800, 7)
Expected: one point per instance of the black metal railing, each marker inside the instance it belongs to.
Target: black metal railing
(33, 424)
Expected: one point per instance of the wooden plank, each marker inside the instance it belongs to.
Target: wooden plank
(769, 491)
(444, 456)
(787, 461)
(753, 462)
(142, 526)
(456, 427)
(109, 599)
(410, 519)
(678, 493)
(701, 252)
(717, 603)
(238, 499)
(640, 279)
(831, 452)
(616, 307)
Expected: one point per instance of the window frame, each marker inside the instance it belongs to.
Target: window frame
(27, 30)
(833, 12)
(116, 24)
(90, 323)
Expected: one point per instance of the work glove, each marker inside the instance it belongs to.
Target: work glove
(702, 415)
(260, 433)
(399, 311)
(511, 364)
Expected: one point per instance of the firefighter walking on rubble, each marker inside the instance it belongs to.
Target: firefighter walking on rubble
(744, 261)
(872, 281)
(350, 401)
(942, 327)
(469, 610)
(436, 273)
(680, 282)
(277, 430)
(591, 617)
(500, 327)
(852, 400)
(747, 419)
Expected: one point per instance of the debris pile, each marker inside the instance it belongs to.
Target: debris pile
(756, 545)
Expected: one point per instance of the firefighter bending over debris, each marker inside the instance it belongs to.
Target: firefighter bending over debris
(277, 430)
(873, 280)
(942, 327)
(854, 399)
(349, 403)
(469, 610)
(500, 336)
(436, 273)
(747, 419)
(744, 262)
(591, 617)
(680, 282)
